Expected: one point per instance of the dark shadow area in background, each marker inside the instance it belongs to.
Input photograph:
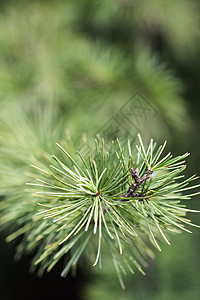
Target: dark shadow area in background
(17, 283)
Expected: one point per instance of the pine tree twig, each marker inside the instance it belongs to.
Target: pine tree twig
(123, 200)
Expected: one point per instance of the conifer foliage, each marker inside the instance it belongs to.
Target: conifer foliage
(116, 199)
(66, 66)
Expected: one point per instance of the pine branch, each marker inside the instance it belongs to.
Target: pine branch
(118, 199)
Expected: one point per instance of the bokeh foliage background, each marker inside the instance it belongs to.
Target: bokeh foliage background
(68, 67)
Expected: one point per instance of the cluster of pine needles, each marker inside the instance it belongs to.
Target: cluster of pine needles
(114, 200)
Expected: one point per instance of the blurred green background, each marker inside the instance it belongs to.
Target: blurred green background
(109, 67)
